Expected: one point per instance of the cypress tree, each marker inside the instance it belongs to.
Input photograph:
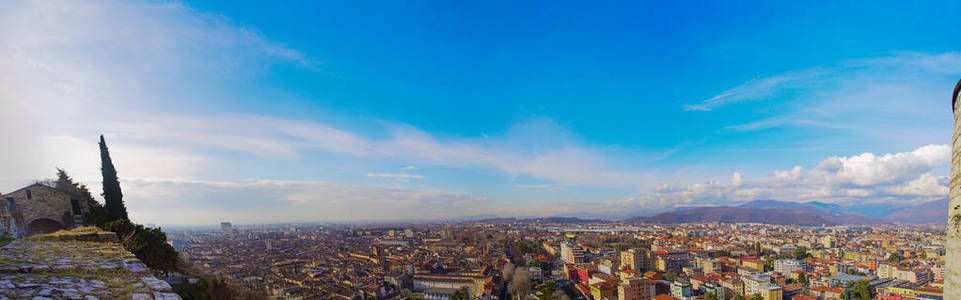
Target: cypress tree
(112, 196)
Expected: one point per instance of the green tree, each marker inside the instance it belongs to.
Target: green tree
(802, 279)
(148, 244)
(460, 294)
(547, 289)
(895, 258)
(65, 183)
(738, 297)
(801, 253)
(710, 296)
(112, 196)
(757, 297)
(859, 291)
(96, 213)
(670, 276)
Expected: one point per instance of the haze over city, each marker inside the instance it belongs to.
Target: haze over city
(310, 112)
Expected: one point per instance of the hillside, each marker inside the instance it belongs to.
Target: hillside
(817, 207)
(547, 220)
(832, 212)
(727, 214)
(934, 212)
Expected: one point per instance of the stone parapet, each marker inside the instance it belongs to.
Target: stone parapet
(76, 266)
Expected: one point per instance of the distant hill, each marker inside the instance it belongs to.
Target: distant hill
(934, 212)
(727, 214)
(547, 220)
(829, 211)
(765, 211)
(878, 210)
(475, 217)
(571, 220)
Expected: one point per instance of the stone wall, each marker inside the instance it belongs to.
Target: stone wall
(79, 264)
(40, 209)
(11, 221)
(952, 270)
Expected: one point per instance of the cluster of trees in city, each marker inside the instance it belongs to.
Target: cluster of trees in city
(517, 276)
(518, 281)
(520, 285)
(860, 290)
(148, 244)
(739, 297)
(616, 241)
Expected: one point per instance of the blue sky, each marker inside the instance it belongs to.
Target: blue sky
(312, 111)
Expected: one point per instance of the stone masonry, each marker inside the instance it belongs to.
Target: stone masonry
(55, 267)
(952, 268)
(38, 209)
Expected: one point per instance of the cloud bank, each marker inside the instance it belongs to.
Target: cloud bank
(904, 178)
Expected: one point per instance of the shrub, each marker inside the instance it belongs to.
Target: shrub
(148, 244)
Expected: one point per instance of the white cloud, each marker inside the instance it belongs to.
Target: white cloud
(529, 186)
(832, 78)
(756, 89)
(71, 69)
(899, 178)
(736, 179)
(925, 185)
(621, 203)
(560, 162)
(395, 175)
(789, 175)
(890, 102)
(266, 201)
(856, 192)
(868, 169)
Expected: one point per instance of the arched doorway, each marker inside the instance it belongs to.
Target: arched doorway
(43, 225)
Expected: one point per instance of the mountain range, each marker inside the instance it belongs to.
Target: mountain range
(759, 211)
(934, 212)
(800, 213)
(728, 214)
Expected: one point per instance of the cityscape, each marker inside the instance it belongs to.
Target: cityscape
(480, 150)
(541, 259)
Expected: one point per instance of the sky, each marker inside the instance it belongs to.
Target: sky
(254, 112)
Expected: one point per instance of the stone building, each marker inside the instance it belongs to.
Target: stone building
(952, 270)
(38, 208)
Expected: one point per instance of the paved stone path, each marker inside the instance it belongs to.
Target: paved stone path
(32, 269)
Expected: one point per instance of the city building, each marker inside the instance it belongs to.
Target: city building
(787, 266)
(771, 292)
(635, 289)
(636, 259)
(572, 253)
(682, 290)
